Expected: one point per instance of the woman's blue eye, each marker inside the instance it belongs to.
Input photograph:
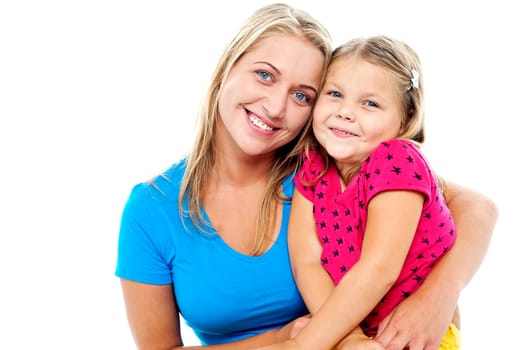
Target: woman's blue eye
(264, 75)
(300, 96)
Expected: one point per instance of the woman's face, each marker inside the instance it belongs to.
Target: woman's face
(268, 96)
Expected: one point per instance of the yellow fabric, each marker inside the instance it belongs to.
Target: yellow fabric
(451, 340)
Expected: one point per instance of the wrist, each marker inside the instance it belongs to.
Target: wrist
(445, 291)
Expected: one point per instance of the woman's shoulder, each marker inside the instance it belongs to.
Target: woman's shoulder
(164, 185)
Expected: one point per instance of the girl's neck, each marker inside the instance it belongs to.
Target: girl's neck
(347, 171)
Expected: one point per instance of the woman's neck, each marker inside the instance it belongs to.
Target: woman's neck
(232, 165)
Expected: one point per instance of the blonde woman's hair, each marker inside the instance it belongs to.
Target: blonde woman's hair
(266, 22)
(403, 63)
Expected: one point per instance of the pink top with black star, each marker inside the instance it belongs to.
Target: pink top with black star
(341, 217)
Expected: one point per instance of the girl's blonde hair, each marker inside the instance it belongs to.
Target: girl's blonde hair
(268, 21)
(403, 63)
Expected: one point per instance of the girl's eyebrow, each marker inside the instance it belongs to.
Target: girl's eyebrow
(279, 73)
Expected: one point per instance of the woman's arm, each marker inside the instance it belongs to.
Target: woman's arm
(153, 317)
(422, 319)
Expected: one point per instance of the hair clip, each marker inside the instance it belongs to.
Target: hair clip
(414, 80)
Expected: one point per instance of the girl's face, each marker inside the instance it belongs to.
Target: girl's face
(357, 110)
(268, 95)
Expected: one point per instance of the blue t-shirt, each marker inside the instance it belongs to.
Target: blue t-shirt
(223, 295)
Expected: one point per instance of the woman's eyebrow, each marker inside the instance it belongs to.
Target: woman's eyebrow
(279, 72)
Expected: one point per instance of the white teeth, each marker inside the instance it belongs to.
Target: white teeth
(257, 122)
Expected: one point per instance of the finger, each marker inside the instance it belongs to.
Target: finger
(383, 324)
(386, 332)
(398, 341)
(416, 344)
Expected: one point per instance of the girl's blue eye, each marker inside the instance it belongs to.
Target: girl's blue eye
(335, 94)
(371, 104)
(264, 75)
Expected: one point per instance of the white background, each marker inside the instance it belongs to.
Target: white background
(96, 96)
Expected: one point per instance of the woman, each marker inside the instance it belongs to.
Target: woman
(207, 239)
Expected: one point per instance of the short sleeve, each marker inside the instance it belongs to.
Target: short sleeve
(308, 174)
(397, 165)
(139, 256)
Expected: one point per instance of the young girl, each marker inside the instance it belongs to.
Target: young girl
(380, 220)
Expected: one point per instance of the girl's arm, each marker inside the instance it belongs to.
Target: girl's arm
(421, 320)
(363, 286)
(311, 278)
(314, 283)
(153, 317)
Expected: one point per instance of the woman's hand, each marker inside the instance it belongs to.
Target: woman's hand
(292, 329)
(418, 323)
(286, 345)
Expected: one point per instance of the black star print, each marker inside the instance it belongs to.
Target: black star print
(325, 240)
(396, 170)
(418, 176)
(340, 241)
(410, 159)
(335, 253)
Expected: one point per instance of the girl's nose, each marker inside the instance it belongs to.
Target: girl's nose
(347, 115)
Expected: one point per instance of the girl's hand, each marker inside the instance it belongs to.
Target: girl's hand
(357, 340)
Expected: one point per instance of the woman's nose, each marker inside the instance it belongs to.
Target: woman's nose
(275, 103)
